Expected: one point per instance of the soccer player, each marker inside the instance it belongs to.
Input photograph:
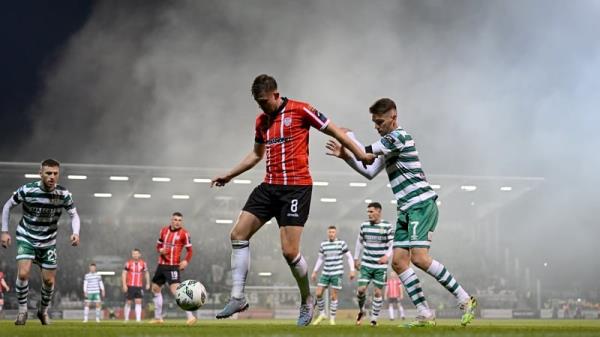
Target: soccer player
(375, 240)
(281, 131)
(416, 205)
(131, 279)
(43, 202)
(394, 293)
(331, 253)
(171, 242)
(3, 288)
(93, 292)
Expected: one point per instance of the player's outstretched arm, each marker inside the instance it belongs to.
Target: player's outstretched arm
(359, 152)
(75, 226)
(251, 159)
(337, 150)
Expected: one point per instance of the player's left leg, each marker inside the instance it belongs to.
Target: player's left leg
(290, 246)
(48, 281)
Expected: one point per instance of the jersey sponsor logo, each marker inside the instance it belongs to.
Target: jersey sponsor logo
(293, 215)
(278, 140)
(388, 140)
(375, 238)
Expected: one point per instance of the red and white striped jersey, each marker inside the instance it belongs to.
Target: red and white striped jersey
(1, 277)
(393, 288)
(285, 135)
(174, 241)
(135, 272)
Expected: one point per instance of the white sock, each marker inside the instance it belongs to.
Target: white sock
(401, 309)
(415, 292)
(333, 308)
(158, 301)
(376, 307)
(138, 312)
(190, 314)
(98, 313)
(299, 269)
(126, 311)
(22, 290)
(391, 309)
(240, 263)
(321, 305)
(443, 276)
(86, 312)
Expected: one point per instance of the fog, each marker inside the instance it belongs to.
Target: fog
(487, 88)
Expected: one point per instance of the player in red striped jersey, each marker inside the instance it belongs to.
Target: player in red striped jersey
(3, 287)
(281, 134)
(394, 293)
(171, 242)
(135, 270)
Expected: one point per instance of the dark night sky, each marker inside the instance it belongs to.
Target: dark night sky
(33, 33)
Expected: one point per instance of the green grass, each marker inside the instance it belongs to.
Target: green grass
(230, 328)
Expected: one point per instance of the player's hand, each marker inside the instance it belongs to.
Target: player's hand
(220, 181)
(352, 275)
(5, 239)
(383, 260)
(124, 289)
(313, 276)
(147, 287)
(162, 251)
(368, 159)
(183, 264)
(75, 240)
(335, 149)
(357, 264)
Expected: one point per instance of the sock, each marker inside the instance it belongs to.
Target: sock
(377, 304)
(413, 288)
(97, 313)
(126, 311)
(333, 308)
(299, 269)
(240, 263)
(22, 290)
(321, 305)
(138, 312)
(362, 298)
(401, 309)
(391, 309)
(86, 312)
(46, 297)
(190, 314)
(158, 301)
(443, 276)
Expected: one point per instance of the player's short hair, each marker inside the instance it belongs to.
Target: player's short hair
(136, 250)
(374, 204)
(177, 214)
(332, 227)
(93, 264)
(50, 163)
(382, 105)
(263, 83)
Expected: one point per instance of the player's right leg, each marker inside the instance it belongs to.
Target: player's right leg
(25, 256)
(138, 308)
(127, 308)
(157, 282)
(361, 294)
(246, 225)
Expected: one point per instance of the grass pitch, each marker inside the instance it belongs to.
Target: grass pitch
(280, 328)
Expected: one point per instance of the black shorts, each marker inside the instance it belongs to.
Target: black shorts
(134, 292)
(288, 204)
(166, 274)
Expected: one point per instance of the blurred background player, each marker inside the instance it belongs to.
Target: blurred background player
(3, 288)
(416, 207)
(43, 202)
(331, 256)
(375, 240)
(132, 284)
(394, 293)
(93, 292)
(171, 242)
(282, 131)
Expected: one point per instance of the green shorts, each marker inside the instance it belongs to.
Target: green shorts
(333, 281)
(376, 275)
(416, 225)
(45, 257)
(94, 298)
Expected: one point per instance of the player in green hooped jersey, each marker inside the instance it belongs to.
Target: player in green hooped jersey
(43, 202)
(417, 209)
(375, 241)
(331, 256)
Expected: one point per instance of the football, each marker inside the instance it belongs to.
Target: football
(190, 295)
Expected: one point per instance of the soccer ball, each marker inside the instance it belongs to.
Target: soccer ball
(190, 295)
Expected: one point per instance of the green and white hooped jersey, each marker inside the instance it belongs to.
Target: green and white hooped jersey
(407, 179)
(376, 240)
(333, 255)
(41, 211)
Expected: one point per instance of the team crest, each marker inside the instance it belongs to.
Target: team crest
(287, 121)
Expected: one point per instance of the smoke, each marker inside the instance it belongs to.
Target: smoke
(486, 88)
